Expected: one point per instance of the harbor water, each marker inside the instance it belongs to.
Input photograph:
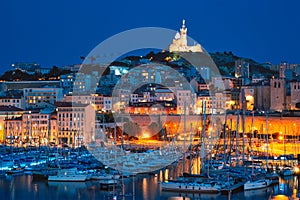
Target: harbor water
(146, 186)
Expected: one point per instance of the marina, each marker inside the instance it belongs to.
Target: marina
(77, 171)
(146, 187)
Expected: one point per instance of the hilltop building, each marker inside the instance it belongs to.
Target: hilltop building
(179, 43)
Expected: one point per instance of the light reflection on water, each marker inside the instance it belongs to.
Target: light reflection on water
(146, 187)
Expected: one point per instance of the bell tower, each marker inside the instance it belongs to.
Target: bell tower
(183, 31)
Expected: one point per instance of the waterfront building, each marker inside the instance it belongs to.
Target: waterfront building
(13, 131)
(76, 123)
(7, 112)
(36, 127)
(53, 138)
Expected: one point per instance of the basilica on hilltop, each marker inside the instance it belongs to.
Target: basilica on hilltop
(179, 43)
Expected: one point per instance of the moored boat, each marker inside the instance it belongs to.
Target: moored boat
(191, 187)
(257, 184)
(104, 176)
(68, 175)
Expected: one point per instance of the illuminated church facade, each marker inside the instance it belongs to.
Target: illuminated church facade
(179, 43)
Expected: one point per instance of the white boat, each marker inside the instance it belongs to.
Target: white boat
(191, 187)
(68, 175)
(105, 176)
(257, 184)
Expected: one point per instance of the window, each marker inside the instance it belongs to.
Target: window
(275, 84)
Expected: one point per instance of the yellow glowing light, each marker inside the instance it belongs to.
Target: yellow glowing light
(280, 197)
(145, 135)
(296, 169)
(280, 138)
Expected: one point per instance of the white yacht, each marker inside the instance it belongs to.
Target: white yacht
(68, 175)
(103, 176)
(191, 187)
(257, 184)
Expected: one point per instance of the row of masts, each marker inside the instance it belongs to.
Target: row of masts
(225, 136)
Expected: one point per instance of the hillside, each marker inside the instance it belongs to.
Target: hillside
(226, 62)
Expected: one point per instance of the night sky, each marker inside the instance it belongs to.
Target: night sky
(58, 32)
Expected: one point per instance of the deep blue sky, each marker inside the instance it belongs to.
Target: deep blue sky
(57, 32)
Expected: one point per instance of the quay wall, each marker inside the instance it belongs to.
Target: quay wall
(276, 124)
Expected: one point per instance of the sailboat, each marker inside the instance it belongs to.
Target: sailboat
(285, 171)
(193, 185)
(261, 182)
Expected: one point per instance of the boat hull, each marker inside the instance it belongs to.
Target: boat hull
(190, 188)
(256, 185)
(80, 178)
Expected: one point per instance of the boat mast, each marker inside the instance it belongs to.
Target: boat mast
(203, 134)
(184, 133)
(243, 124)
(252, 132)
(191, 149)
(225, 135)
(284, 147)
(267, 139)
(237, 138)
(230, 142)
(115, 133)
